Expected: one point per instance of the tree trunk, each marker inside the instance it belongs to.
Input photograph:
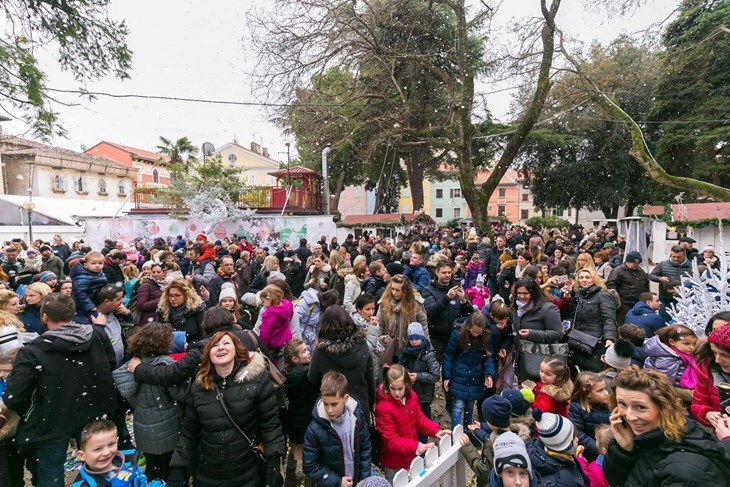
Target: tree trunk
(339, 188)
(415, 169)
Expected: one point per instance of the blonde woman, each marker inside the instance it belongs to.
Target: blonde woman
(33, 298)
(181, 307)
(593, 310)
(584, 260)
(269, 265)
(9, 301)
(340, 271)
(398, 308)
(131, 278)
(353, 285)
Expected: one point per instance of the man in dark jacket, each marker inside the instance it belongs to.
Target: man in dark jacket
(688, 244)
(50, 262)
(60, 381)
(60, 248)
(630, 281)
(492, 263)
(445, 302)
(337, 441)
(671, 269)
(113, 263)
(643, 314)
(202, 269)
(226, 273)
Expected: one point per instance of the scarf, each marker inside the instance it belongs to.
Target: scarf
(688, 380)
(519, 271)
(177, 314)
(523, 308)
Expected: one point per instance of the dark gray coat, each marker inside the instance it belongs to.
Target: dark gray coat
(628, 283)
(544, 323)
(595, 313)
(157, 415)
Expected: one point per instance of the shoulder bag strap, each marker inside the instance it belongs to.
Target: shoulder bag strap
(219, 397)
(255, 340)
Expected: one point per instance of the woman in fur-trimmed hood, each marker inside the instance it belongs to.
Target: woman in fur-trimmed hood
(341, 346)
(209, 447)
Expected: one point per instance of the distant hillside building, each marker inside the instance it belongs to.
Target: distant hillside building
(256, 162)
(152, 168)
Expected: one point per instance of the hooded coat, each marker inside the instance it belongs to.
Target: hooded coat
(552, 398)
(85, 285)
(399, 423)
(422, 362)
(211, 447)
(157, 415)
(706, 395)
(663, 358)
(275, 330)
(350, 356)
(466, 370)
(697, 459)
(51, 374)
(322, 456)
(555, 469)
(642, 315)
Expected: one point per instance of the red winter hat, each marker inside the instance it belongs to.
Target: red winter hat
(201, 236)
(721, 336)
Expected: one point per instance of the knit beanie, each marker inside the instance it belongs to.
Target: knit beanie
(250, 299)
(619, 354)
(415, 330)
(510, 451)
(45, 276)
(374, 482)
(178, 342)
(201, 236)
(721, 336)
(394, 268)
(9, 338)
(496, 410)
(555, 431)
(520, 400)
(480, 278)
(227, 292)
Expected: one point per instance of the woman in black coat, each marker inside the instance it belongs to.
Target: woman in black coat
(210, 448)
(181, 307)
(655, 442)
(593, 310)
(341, 346)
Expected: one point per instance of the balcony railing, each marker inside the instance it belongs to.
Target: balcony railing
(265, 199)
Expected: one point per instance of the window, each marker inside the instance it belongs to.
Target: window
(489, 208)
(501, 210)
(558, 212)
(80, 185)
(525, 197)
(155, 176)
(524, 214)
(251, 179)
(121, 190)
(455, 192)
(439, 212)
(570, 212)
(502, 192)
(439, 193)
(457, 212)
(59, 184)
(102, 186)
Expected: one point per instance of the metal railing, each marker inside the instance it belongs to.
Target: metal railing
(443, 464)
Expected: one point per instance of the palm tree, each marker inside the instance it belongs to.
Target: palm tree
(182, 153)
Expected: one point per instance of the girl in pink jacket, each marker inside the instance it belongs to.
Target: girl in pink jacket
(274, 329)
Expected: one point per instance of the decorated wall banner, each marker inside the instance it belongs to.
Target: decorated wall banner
(266, 231)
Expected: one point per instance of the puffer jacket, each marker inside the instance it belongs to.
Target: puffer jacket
(157, 414)
(595, 313)
(322, 460)
(337, 282)
(148, 298)
(275, 331)
(352, 292)
(697, 459)
(422, 362)
(374, 286)
(302, 396)
(399, 425)
(671, 270)
(397, 327)
(208, 442)
(706, 396)
(543, 322)
(554, 469)
(585, 425)
(350, 356)
(419, 276)
(628, 283)
(645, 317)
(441, 311)
(551, 398)
(309, 310)
(85, 285)
(661, 357)
(492, 262)
(53, 264)
(466, 370)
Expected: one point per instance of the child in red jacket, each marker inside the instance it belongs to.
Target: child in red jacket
(399, 419)
(552, 393)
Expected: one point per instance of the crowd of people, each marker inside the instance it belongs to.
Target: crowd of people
(239, 364)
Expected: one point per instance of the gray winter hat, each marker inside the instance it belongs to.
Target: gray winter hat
(510, 451)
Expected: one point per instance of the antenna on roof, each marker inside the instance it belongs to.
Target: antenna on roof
(235, 140)
(83, 147)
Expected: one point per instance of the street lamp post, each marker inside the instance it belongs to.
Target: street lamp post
(28, 206)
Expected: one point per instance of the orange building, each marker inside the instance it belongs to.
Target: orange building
(150, 171)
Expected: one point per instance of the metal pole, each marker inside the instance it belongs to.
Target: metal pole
(325, 182)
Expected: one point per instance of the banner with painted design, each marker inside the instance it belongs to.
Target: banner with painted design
(264, 231)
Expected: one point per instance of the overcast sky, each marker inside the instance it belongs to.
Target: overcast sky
(194, 49)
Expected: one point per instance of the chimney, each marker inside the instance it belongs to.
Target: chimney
(255, 147)
(265, 151)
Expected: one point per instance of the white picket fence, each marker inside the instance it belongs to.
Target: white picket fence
(443, 465)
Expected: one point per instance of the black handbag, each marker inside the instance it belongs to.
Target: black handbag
(531, 355)
(581, 341)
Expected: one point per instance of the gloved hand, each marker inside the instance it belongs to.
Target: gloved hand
(178, 477)
(273, 472)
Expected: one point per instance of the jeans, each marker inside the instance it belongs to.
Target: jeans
(426, 410)
(663, 309)
(49, 464)
(462, 410)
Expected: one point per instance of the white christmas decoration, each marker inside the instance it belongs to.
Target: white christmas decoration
(706, 294)
(214, 206)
